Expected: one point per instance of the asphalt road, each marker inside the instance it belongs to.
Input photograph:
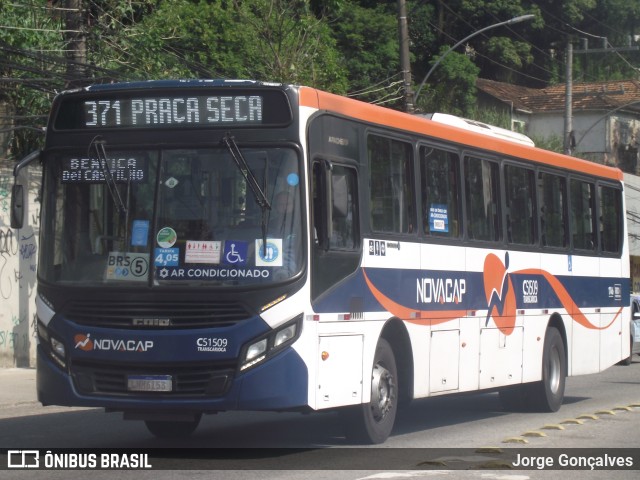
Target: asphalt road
(600, 412)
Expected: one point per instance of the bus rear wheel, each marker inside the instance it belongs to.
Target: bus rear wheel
(172, 429)
(371, 423)
(547, 394)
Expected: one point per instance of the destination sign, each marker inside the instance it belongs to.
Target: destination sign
(182, 108)
(145, 112)
(92, 170)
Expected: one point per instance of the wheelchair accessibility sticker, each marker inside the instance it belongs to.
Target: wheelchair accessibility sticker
(235, 252)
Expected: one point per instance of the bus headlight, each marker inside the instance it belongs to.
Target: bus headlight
(55, 348)
(256, 349)
(58, 347)
(262, 348)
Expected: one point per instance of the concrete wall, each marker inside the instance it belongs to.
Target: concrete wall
(18, 251)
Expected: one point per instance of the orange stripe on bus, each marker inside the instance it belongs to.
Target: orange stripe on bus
(436, 317)
(566, 300)
(392, 118)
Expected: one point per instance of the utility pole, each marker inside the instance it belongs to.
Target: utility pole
(76, 41)
(405, 64)
(568, 112)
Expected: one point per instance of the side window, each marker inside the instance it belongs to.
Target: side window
(392, 192)
(482, 200)
(552, 195)
(335, 207)
(610, 219)
(520, 202)
(583, 214)
(319, 218)
(344, 208)
(440, 192)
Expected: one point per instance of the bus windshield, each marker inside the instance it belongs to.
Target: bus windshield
(171, 217)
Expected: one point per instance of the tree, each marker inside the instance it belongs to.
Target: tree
(368, 41)
(30, 70)
(453, 86)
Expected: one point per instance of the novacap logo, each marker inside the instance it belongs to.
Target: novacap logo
(83, 342)
(500, 294)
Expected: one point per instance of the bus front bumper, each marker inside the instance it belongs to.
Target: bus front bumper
(279, 384)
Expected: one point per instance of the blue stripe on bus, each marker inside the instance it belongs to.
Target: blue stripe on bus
(453, 290)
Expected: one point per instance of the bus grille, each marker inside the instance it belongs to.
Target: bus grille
(98, 378)
(157, 314)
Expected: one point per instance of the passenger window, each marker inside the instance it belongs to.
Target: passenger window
(583, 215)
(440, 192)
(610, 219)
(482, 199)
(520, 202)
(392, 187)
(552, 195)
(344, 209)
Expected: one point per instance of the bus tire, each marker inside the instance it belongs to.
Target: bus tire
(547, 394)
(371, 423)
(627, 361)
(172, 429)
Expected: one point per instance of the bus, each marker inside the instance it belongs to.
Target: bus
(217, 245)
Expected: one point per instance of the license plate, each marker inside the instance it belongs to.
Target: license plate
(149, 383)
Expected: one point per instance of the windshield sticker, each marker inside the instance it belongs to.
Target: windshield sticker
(438, 218)
(166, 257)
(293, 179)
(139, 233)
(127, 266)
(200, 251)
(235, 253)
(167, 237)
(271, 256)
(211, 273)
(93, 170)
(171, 182)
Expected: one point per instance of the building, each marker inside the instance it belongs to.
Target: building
(605, 116)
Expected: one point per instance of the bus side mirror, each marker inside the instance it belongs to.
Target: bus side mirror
(17, 192)
(17, 206)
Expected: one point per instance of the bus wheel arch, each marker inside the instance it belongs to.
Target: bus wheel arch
(395, 332)
(547, 394)
(372, 422)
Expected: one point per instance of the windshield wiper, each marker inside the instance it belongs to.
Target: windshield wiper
(98, 145)
(250, 178)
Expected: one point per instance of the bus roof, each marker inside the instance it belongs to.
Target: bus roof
(417, 124)
(186, 83)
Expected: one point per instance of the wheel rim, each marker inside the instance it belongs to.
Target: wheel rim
(554, 370)
(382, 392)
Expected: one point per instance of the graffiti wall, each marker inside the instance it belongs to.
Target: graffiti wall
(18, 251)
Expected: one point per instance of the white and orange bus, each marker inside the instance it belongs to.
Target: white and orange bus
(237, 245)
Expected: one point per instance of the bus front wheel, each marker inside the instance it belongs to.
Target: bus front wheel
(371, 423)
